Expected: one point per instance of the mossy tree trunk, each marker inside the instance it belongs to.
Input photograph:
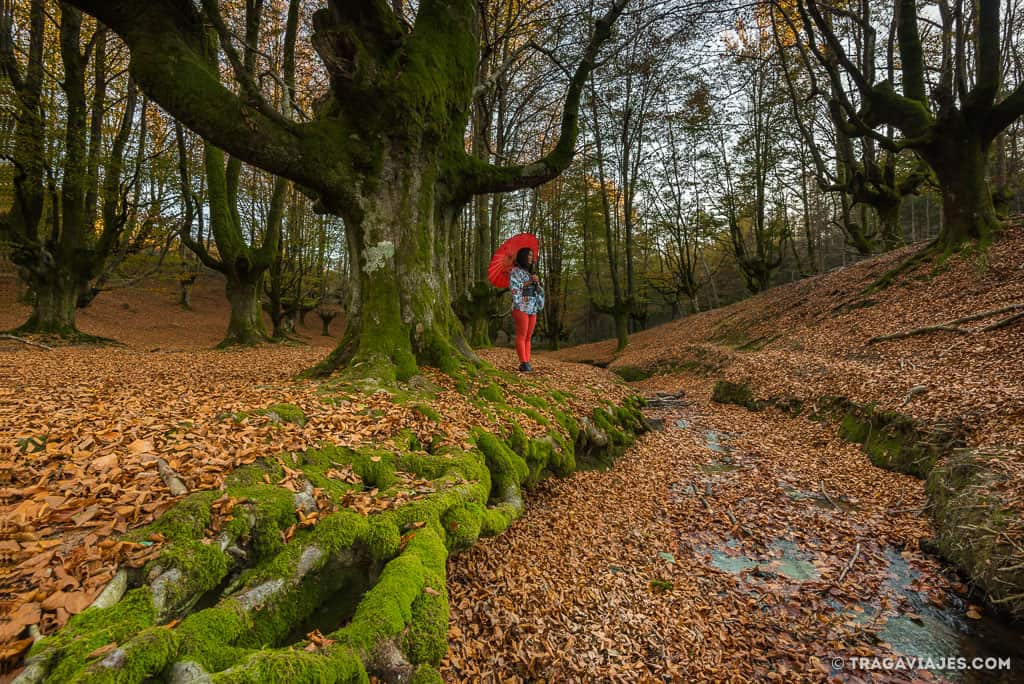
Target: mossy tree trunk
(54, 302)
(399, 314)
(242, 264)
(968, 212)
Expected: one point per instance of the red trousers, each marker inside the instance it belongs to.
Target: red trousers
(525, 324)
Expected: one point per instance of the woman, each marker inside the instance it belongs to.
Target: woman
(527, 301)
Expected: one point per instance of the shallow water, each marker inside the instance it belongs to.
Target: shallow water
(924, 630)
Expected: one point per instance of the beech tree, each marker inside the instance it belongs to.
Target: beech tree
(385, 150)
(952, 127)
(860, 172)
(52, 223)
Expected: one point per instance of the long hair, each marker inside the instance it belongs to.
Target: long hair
(521, 261)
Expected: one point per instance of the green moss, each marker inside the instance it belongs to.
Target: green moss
(462, 525)
(258, 522)
(427, 411)
(188, 519)
(508, 469)
(205, 636)
(426, 640)
(383, 538)
(148, 653)
(518, 440)
(631, 373)
(427, 674)
(894, 441)
(254, 474)
(607, 423)
(94, 628)
(387, 609)
(288, 413)
(536, 402)
(296, 667)
(740, 394)
(534, 415)
(492, 393)
(568, 423)
(203, 567)
(407, 440)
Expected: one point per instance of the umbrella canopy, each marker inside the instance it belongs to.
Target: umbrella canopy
(501, 262)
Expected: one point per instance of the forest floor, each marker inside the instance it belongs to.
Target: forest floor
(812, 338)
(736, 545)
(728, 545)
(82, 429)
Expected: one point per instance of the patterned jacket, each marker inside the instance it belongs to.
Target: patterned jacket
(526, 296)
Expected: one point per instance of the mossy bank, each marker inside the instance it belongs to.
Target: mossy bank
(329, 565)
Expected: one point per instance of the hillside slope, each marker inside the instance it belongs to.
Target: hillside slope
(810, 339)
(148, 316)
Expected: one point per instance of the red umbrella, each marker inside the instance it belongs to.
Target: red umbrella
(501, 262)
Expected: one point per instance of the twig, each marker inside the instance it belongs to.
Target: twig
(842, 575)
(913, 392)
(829, 498)
(24, 341)
(696, 490)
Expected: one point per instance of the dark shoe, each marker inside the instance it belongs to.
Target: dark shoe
(529, 367)
(524, 367)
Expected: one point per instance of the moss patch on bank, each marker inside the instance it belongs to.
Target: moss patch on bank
(890, 439)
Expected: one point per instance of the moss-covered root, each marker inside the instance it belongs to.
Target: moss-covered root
(975, 524)
(399, 627)
(258, 588)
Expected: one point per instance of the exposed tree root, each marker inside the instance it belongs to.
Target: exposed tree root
(954, 326)
(905, 266)
(241, 575)
(22, 340)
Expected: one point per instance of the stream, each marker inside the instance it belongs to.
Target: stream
(919, 629)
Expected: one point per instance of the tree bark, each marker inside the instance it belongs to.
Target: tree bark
(888, 210)
(400, 313)
(961, 165)
(245, 326)
(54, 304)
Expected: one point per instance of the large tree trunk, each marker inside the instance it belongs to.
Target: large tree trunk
(400, 312)
(246, 324)
(888, 210)
(54, 304)
(961, 164)
(621, 316)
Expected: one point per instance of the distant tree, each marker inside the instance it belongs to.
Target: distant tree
(953, 126)
(65, 223)
(748, 166)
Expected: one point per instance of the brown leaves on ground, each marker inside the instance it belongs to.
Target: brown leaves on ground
(82, 431)
(610, 576)
(811, 339)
